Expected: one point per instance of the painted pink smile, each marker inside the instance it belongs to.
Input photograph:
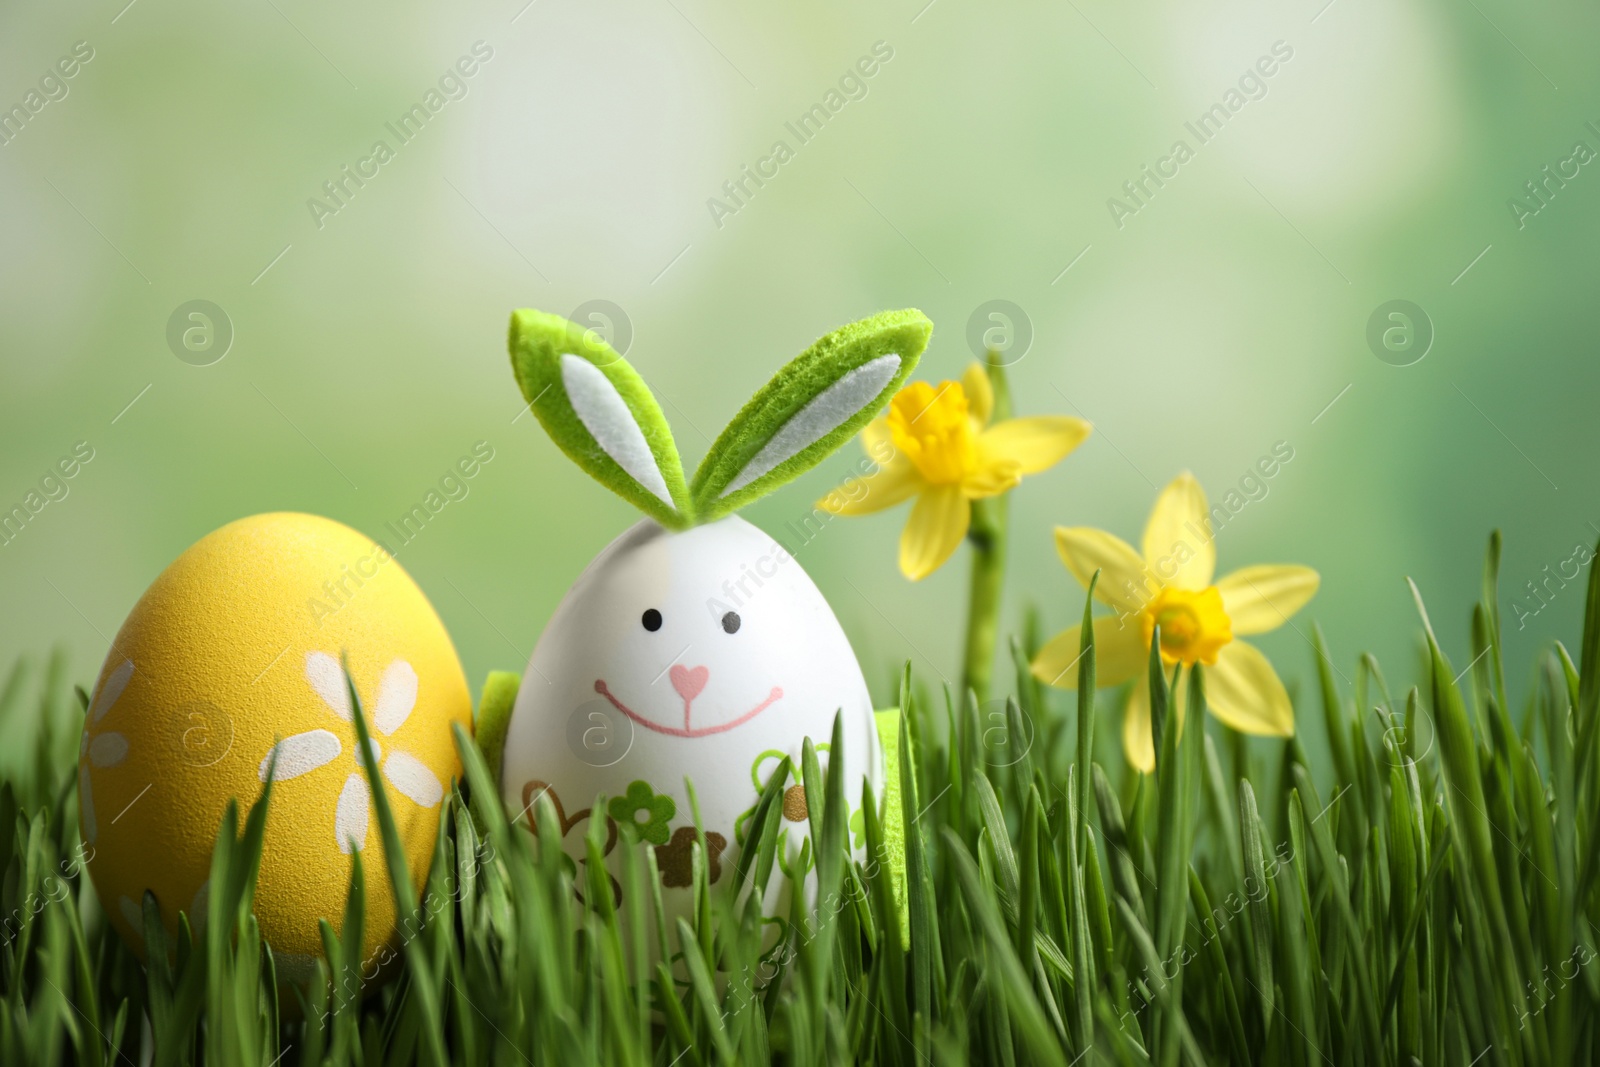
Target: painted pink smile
(689, 680)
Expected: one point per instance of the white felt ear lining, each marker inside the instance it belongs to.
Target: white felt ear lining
(606, 416)
(821, 415)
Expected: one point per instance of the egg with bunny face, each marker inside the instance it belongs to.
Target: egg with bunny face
(694, 648)
(706, 654)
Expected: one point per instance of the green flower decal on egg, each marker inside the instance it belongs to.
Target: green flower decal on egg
(644, 811)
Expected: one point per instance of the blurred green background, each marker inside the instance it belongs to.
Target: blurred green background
(1227, 313)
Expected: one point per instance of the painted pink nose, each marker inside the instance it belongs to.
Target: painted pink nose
(688, 682)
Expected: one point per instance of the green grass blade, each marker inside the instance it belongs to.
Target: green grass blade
(424, 984)
(1256, 882)
(1013, 981)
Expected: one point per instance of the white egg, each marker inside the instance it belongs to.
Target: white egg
(708, 655)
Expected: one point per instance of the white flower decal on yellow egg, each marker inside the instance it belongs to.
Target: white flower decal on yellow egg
(104, 749)
(309, 751)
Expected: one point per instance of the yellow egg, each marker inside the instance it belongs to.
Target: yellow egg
(233, 652)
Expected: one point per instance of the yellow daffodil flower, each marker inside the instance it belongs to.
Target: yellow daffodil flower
(936, 444)
(1171, 585)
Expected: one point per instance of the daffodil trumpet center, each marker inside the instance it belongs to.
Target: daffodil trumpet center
(931, 426)
(1194, 627)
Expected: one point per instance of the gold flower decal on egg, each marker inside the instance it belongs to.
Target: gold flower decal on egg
(676, 857)
(306, 752)
(105, 748)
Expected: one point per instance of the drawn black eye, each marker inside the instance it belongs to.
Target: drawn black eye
(652, 620)
(730, 622)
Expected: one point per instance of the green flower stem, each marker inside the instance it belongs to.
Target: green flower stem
(987, 534)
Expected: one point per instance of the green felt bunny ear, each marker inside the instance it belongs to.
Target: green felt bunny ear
(816, 403)
(599, 411)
